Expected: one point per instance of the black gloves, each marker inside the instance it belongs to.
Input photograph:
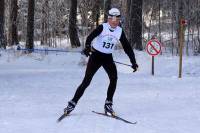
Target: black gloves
(86, 52)
(135, 67)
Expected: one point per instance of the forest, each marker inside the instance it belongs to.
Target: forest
(58, 23)
(47, 63)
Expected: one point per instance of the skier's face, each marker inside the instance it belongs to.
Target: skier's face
(114, 21)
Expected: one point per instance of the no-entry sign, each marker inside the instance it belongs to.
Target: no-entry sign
(153, 47)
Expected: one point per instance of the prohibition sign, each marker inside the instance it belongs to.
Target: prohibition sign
(153, 47)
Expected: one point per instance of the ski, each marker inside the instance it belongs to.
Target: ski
(62, 117)
(115, 117)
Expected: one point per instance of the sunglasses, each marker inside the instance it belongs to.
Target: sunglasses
(118, 16)
(114, 18)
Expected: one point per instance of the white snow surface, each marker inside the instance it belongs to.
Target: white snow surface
(34, 89)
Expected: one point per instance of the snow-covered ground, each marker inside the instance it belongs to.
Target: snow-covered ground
(34, 89)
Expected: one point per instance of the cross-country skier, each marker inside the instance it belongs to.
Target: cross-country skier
(100, 54)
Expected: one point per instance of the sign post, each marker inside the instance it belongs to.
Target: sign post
(153, 48)
(152, 65)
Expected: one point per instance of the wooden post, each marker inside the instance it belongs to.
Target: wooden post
(181, 42)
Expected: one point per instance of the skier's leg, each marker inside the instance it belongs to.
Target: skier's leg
(111, 70)
(92, 67)
(112, 74)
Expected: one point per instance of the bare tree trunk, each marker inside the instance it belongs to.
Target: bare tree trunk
(180, 17)
(13, 35)
(177, 25)
(136, 24)
(159, 22)
(143, 25)
(159, 25)
(127, 19)
(107, 6)
(2, 36)
(73, 33)
(193, 40)
(172, 19)
(96, 12)
(44, 23)
(188, 35)
(150, 21)
(30, 25)
(198, 26)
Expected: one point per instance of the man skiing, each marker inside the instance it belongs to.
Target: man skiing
(100, 54)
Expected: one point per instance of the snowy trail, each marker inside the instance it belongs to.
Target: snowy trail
(34, 93)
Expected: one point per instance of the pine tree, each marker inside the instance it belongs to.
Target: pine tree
(2, 37)
(13, 36)
(135, 23)
(30, 25)
(107, 6)
(73, 33)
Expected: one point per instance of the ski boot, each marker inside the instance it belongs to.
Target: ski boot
(70, 107)
(108, 108)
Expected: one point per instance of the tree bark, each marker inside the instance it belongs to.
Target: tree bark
(198, 27)
(30, 26)
(96, 12)
(188, 28)
(135, 24)
(173, 17)
(73, 33)
(107, 6)
(13, 35)
(2, 36)
(180, 17)
(159, 22)
(44, 25)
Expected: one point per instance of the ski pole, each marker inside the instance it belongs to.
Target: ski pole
(123, 63)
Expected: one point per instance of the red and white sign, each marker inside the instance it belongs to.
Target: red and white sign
(183, 22)
(153, 47)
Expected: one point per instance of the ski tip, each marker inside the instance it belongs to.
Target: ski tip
(133, 123)
(58, 120)
(61, 117)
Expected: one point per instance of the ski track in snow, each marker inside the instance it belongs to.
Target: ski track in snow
(35, 89)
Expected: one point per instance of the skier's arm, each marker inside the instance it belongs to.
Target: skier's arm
(92, 35)
(127, 48)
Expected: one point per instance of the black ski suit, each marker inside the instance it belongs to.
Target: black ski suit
(98, 59)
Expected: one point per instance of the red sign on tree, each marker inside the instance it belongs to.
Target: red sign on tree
(183, 22)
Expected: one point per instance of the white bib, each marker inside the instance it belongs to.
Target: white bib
(107, 40)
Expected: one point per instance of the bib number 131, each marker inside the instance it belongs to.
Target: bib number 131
(107, 45)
